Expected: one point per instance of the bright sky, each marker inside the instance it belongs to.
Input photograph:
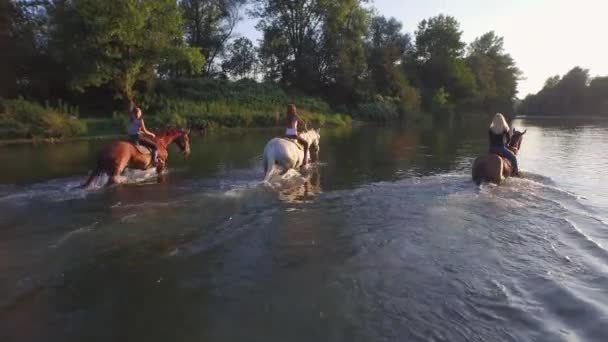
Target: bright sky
(545, 37)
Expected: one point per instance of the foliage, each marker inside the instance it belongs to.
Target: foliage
(198, 102)
(119, 42)
(24, 119)
(240, 58)
(208, 25)
(494, 70)
(324, 56)
(573, 94)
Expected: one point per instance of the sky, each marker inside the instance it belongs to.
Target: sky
(545, 37)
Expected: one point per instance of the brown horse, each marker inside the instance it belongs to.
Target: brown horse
(494, 168)
(116, 157)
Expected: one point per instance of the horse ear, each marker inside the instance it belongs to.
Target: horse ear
(318, 130)
(188, 131)
(526, 131)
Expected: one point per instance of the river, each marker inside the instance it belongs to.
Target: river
(389, 240)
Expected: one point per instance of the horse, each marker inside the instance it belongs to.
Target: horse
(116, 157)
(494, 168)
(288, 154)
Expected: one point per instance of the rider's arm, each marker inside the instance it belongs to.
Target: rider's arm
(300, 121)
(146, 132)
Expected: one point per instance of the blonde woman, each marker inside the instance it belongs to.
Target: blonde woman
(500, 135)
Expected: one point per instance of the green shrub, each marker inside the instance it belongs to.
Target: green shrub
(441, 102)
(379, 109)
(25, 119)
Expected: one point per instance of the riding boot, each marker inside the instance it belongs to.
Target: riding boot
(154, 158)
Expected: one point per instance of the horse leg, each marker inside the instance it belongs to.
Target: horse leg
(96, 172)
(117, 170)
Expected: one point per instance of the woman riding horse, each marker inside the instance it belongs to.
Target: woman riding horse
(500, 136)
(291, 132)
(116, 157)
(504, 146)
(138, 134)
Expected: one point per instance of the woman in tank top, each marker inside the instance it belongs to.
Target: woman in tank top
(138, 134)
(291, 131)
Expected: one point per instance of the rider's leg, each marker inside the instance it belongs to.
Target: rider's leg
(150, 144)
(506, 153)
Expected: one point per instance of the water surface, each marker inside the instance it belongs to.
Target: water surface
(388, 241)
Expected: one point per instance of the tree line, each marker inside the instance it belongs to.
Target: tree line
(576, 93)
(342, 51)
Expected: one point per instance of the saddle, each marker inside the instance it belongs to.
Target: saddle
(142, 149)
(295, 141)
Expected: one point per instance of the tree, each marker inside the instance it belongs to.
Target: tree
(573, 94)
(343, 50)
(386, 47)
(240, 58)
(439, 39)
(597, 95)
(495, 72)
(292, 31)
(119, 43)
(209, 25)
(439, 61)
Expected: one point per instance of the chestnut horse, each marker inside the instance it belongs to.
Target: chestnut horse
(116, 157)
(494, 168)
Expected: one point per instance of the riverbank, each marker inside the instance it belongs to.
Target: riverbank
(112, 135)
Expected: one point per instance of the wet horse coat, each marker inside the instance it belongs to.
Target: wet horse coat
(116, 157)
(288, 154)
(494, 168)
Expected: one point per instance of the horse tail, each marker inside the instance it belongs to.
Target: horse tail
(477, 173)
(269, 162)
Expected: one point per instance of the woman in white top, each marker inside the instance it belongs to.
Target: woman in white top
(292, 129)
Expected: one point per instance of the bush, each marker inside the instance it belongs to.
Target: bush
(441, 102)
(380, 109)
(25, 119)
(203, 102)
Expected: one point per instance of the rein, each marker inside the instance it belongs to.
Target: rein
(165, 139)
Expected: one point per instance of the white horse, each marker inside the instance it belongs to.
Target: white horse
(287, 154)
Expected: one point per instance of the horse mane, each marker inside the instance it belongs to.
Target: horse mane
(172, 132)
(309, 135)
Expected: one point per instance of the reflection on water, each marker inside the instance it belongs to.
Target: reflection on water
(387, 239)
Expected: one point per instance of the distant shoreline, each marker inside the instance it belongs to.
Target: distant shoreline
(35, 141)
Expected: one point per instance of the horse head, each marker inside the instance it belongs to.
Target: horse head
(183, 142)
(516, 139)
(313, 136)
(180, 137)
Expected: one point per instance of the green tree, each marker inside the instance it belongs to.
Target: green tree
(573, 94)
(120, 42)
(495, 72)
(240, 58)
(343, 49)
(291, 46)
(387, 48)
(440, 63)
(209, 25)
(439, 39)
